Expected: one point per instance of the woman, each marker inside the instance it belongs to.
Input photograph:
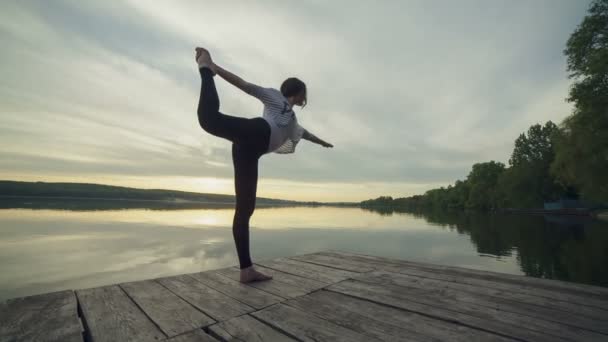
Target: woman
(276, 131)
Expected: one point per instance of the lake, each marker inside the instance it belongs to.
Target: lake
(45, 250)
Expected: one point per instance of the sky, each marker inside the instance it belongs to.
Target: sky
(410, 93)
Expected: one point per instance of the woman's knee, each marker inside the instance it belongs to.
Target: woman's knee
(204, 123)
(244, 214)
(206, 117)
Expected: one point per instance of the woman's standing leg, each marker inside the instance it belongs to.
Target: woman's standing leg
(245, 160)
(245, 186)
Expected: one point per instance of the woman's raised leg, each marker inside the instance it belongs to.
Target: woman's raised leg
(235, 129)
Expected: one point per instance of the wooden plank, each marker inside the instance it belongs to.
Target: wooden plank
(197, 335)
(307, 327)
(222, 334)
(524, 294)
(74, 336)
(247, 328)
(437, 307)
(555, 311)
(111, 315)
(536, 318)
(384, 322)
(590, 291)
(274, 286)
(325, 309)
(585, 303)
(307, 284)
(319, 273)
(172, 314)
(330, 261)
(567, 302)
(210, 301)
(472, 279)
(249, 295)
(43, 317)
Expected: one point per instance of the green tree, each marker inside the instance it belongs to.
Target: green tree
(536, 146)
(483, 190)
(582, 147)
(458, 195)
(528, 181)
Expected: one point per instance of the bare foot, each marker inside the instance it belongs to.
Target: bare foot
(249, 275)
(203, 58)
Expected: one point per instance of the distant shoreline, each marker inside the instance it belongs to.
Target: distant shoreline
(104, 203)
(177, 201)
(113, 199)
(79, 191)
(171, 201)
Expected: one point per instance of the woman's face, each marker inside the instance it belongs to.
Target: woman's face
(299, 99)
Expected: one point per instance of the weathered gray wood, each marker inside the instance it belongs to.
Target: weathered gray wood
(74, 336)
(327, 310)
(462, 275)
(44, 317)
(572, 300)
(249, 295)
(197, 335)
(172, 314)
(319, 273)
(535, 318)
(524, 294)
(523, 287)
(247, 328)
(210, 301)
(564, 287)
(509, 301)
(111, 315)
(325, 296)
(307, 284)
(307, 327)
(441, 308)
(385, 322)
(346, 264)
(222, 334)
(555, 299)
(274, 286)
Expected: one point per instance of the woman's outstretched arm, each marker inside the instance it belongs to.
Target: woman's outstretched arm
(248, 87)
(230, 77)
(311, 137)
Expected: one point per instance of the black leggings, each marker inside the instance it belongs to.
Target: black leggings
(250, 139)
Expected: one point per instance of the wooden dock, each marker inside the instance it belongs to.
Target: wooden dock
(325, 296)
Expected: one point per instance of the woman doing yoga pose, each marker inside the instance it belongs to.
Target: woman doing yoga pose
(276, 131)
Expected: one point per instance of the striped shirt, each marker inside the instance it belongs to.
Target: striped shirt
(285, 131)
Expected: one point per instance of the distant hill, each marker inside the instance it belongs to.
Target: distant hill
(99, 191)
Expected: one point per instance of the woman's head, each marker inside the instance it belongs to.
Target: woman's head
(295, 89)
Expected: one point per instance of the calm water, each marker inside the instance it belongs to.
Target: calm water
(45, 250)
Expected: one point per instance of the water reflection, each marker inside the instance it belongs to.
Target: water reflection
(263, 218)
(43, 250)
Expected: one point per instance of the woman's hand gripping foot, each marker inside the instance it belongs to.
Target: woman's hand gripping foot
(203, 58)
